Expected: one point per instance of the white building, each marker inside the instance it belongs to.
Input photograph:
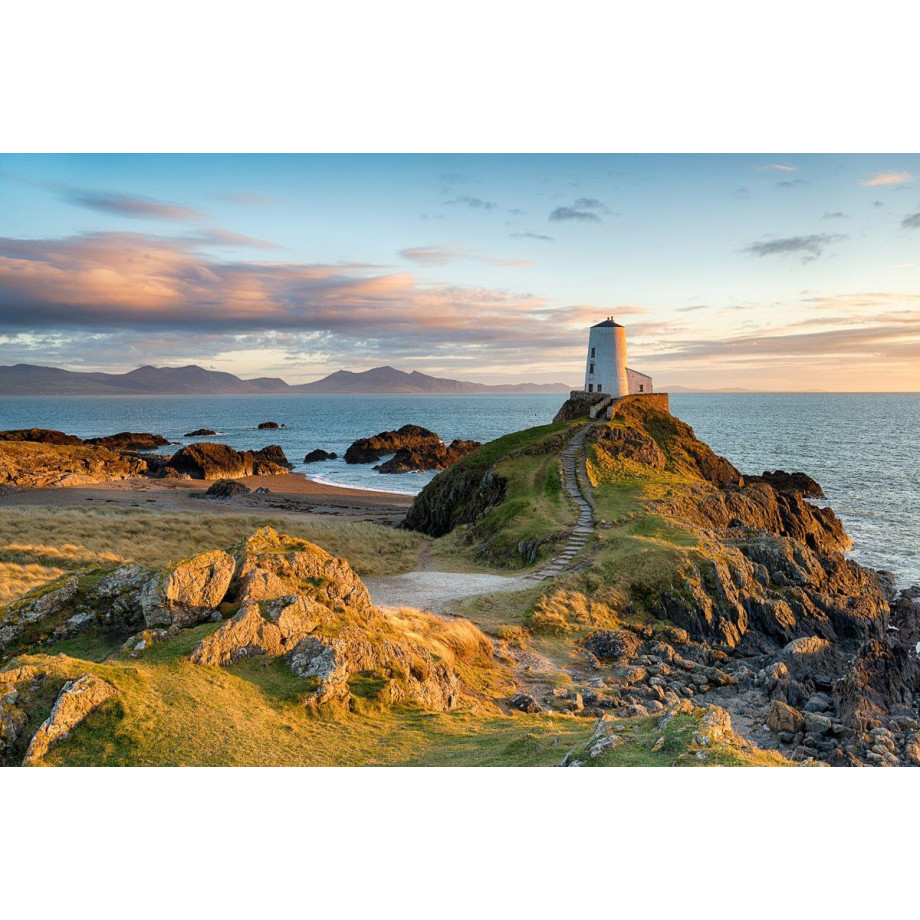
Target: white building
(605, 368)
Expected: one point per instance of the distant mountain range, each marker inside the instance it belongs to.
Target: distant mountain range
(35, 380)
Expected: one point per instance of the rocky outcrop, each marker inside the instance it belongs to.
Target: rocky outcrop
(77, 700)
(630, 444)
(41, 436)
(188, 592)
(263, 426)
(369, 450)
(798, 483)
(33, 613)
(318, 456)
(199, 433)
(579, 405)
(34, 465)
(429, 457)
(207, 460)
(272, 565)
(130, 440)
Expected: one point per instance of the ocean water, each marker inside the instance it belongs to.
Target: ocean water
(863, 449)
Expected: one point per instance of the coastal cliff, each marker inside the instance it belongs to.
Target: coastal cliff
(701, 582)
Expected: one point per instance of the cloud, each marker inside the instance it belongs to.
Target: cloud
(779, 167)
(528, 235)
(792, 183)
(134, 207)
(834, 215)
(477, 204)
(912, 221)
(227, 238)
(892, 178)
(809, 247)
(587, 210)
(445, 255)
(878, 204)
(741, 193)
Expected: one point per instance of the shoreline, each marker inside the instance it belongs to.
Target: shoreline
(289, 493)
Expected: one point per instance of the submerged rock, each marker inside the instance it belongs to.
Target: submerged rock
(199, 433)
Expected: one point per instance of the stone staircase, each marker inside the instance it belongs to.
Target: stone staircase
(573, 474)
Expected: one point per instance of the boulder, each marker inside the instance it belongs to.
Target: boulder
(612, 645)
(129, 440)
(524, 702)
(369, 450)
(207, 460)
(76, 701)
(199, 433)
(227, 488)
(13, 722)
(188, 592)
(318, 456)
(263, 426)
(784, 718)
(274, 565)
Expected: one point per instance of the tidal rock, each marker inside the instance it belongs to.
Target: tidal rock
(269, 425)
(207, 460)
(76, 701)
(188, 592)
(318, 456)
(130, 440)
(271, 454)
(427, 457)
(369, 450)
(199, 433)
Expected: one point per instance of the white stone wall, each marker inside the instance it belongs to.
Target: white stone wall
(639, 383)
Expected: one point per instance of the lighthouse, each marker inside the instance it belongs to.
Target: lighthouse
(605, 368)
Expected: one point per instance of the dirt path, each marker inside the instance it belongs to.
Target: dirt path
(426, 589)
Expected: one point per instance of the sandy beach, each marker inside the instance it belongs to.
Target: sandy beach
(289, 493)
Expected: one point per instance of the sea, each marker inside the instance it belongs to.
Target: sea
(862, 448)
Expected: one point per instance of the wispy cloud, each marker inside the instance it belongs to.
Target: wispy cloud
(445, 255)
(528, 235)
(582, 209)
(741, 193)
(912, 221)
(477, 204)
(792, 183)
(808, 247)
(834, 215)
(127, 206)
(779, 167)
(890, 178)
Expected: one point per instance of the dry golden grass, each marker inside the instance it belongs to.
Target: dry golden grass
(566, 611)
(39, 544)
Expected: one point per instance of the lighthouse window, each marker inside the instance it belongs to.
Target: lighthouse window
(592, 369)
(641, 387)
(590, 387)
(592, 352)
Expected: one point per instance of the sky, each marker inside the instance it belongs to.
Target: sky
(772, 272)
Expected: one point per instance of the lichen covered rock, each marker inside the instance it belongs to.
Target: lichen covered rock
(188, 592)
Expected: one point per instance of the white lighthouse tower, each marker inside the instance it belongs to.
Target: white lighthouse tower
(605, 368)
